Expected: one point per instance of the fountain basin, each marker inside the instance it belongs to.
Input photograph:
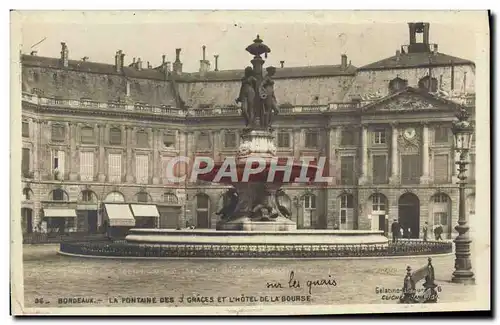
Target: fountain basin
(296, 238)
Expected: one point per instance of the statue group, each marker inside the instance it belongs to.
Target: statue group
(258, 102)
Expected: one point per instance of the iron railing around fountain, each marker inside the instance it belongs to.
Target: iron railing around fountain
(122, 248)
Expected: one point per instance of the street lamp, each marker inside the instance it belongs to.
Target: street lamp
(462, 131)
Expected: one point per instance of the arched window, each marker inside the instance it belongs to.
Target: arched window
(170, 198)
(397, 84)
(440, 213)
(27, 194)
(115, 197)
(346, 212)
(202, 211)
(142, 197)
(88, 196)
(309, 210)
(428, 84)
(59, 195)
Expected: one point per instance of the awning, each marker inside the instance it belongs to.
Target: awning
(119, 215)
(143, 210)
(59, 213)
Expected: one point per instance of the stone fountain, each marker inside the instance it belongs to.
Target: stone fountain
(252, 222)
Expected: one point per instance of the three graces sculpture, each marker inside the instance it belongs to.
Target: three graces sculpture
(258, 102)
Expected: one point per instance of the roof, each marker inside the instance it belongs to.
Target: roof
(414, 60)
(281, 73)
(91, 67)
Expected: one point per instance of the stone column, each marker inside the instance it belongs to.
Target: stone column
(364, 155)
(128, 143)
(157, 135)
(297, 145)
(425, 155)
(394, 155)
(332, 148)
(102, 154)
(74, 156)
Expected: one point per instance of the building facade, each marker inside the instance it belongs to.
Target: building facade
(95, 133)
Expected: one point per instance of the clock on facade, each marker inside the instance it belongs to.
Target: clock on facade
(409, 133)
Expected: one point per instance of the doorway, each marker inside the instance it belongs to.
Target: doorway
(409, 214)
(202, 211)
(92, 221)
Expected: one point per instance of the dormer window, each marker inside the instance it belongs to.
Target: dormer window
(397, 84)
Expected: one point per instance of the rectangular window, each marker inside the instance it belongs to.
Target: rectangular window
(441, 169)
(142, 169)
(312, 139)
(441, 134)
(472, 167)
(410, 173)
(58, 133)
(283, 139)
(348, 137)
(229, 140)
(169, 139)
(115, 136)
(347, 170)
(203, 142)
(142, 139)
(379, 169)
(58, 163)
(115, 167)
(310, 202)
(26, 129)
(87, 166)
(25, 162)
(87, 135)
(379, 136)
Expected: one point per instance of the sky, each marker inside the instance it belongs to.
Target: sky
(297, 42)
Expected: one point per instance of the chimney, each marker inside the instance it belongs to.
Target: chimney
(139, 64)
(398, 55)
(34, 53)
(204, 63)
(119, 57)
(64, 54)
(216, 56)
(163, 58)
(149, 65)
(343, 59)
(282, 64)
(177, 63)
(435, 50)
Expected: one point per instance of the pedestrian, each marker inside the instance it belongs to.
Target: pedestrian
(402, 231)
(438, 230)
(408, 233)
(395, 230)
(336, 227)
(424, 231)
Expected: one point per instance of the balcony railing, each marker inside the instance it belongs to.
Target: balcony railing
(467, 100)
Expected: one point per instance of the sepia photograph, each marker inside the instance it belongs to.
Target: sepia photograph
(241, 162)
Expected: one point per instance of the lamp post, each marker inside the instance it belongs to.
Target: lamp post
(462, 132)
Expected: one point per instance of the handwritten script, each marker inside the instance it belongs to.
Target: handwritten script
(294, 283)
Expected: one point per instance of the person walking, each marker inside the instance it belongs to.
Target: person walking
(395, 229)
(424, 231)
(438, 230)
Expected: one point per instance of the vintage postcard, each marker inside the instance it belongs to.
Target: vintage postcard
(246, 162)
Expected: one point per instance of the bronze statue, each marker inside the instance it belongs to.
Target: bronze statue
(247, 96)
(230, 202)
(266, 92)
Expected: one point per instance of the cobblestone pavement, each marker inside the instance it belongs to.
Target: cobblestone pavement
(51, 276)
